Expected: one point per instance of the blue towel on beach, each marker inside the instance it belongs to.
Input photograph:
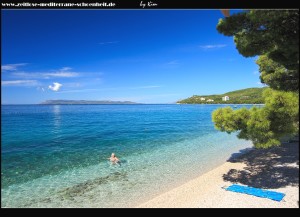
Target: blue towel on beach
(256, 192)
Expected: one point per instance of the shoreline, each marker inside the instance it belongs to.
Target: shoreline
(275, 169)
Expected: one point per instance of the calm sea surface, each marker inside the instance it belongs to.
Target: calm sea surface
(56, 155)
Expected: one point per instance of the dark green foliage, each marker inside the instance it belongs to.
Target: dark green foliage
(264, 126)
(283, 111)
(272, 33)
(245, 96)
(276, 76)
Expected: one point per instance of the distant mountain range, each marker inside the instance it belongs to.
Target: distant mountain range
(84, 102)
(244, 96)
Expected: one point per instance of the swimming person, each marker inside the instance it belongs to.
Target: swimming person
(113, 159)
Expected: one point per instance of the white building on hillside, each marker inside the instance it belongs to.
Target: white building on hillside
(225, 98)
(202, 98)
(209, 100)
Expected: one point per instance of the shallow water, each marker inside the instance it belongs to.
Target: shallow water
(56, 155)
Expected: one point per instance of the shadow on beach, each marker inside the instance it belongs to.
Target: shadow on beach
(267, 168)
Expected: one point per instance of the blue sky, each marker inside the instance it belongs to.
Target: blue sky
(146, 56)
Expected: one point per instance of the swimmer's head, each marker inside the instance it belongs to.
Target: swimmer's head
(112, 154)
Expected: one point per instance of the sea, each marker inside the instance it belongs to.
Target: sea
(57, 155)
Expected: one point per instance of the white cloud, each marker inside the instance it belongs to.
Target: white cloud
(19, 83)
(46, 75)
(62, 74)
(108, 42)
(255, 72)
(12, 67)
(212, 46)
(65, 68)
(56, 86)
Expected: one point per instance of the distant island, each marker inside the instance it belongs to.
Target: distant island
(84, 102)
(244, 96)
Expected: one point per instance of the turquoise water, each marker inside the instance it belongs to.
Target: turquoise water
(56, 155)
